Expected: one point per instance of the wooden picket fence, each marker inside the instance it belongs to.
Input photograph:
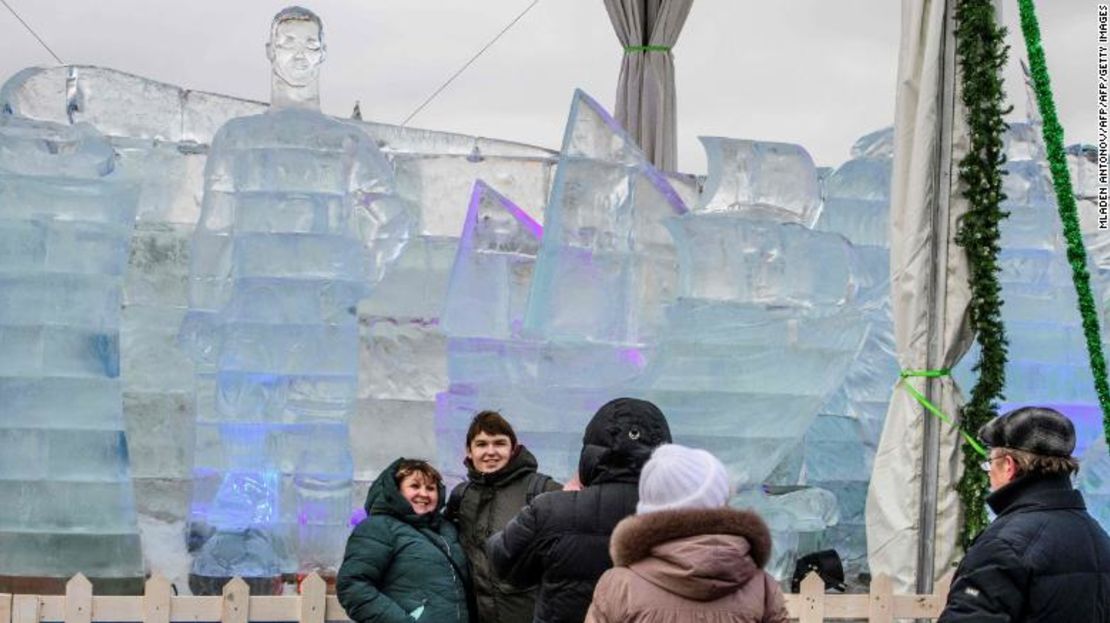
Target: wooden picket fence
(314, 605)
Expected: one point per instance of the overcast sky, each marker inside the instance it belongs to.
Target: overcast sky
(816, 72)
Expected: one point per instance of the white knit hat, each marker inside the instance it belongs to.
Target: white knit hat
(681, 477)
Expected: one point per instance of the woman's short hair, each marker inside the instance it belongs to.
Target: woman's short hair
(408, 467)
(490, 423)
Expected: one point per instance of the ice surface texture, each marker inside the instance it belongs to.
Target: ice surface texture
(840, 446)
(721, 317)
(1048, 363)
(66, 214)
(607, 264)
(760, 180)
(299, 220)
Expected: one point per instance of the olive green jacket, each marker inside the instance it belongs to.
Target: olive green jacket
(482, 506)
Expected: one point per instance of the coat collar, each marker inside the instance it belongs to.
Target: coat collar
(635, 536)
(1033, 492)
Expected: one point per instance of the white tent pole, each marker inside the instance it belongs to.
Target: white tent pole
(930, 470)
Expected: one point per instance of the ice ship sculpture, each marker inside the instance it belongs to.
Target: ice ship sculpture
(66, 214)
(602, 273)
(760, 334)
(299, 219)
(718, 315)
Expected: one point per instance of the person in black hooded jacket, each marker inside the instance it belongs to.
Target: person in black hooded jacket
(561, 539)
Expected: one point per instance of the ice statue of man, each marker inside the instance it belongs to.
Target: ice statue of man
(299, 219)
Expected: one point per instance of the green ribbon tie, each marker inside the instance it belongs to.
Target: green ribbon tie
(932, 408)
(628, 49)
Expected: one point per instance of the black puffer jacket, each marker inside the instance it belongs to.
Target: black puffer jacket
(1043, 559)
(483, 505)
(561, 540)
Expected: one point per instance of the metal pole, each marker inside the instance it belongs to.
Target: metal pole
(937, 293)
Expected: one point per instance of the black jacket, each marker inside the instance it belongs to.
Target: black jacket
(483, 505)
(561, 540)
(1043, 559)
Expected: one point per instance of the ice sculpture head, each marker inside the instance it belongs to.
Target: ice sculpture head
(295, 49)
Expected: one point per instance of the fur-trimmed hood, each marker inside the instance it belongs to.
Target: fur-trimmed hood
(700, 554)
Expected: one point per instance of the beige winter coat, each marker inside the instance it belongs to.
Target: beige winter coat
(678, 566)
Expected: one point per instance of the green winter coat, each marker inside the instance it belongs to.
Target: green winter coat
(401, 567)
(483, 505)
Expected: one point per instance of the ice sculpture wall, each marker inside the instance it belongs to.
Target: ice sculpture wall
(490, 356)
(162, 136)
(840, 445)
(604, 269)
(1047, 352)
(1094, 470)
(716, 314)
(66, 214)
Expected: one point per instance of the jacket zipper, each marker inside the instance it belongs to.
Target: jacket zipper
(454, 576)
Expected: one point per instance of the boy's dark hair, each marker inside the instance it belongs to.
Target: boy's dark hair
(490, 423)
(407, 467)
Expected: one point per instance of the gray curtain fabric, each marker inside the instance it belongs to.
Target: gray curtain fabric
(645, 92)
(922, 242)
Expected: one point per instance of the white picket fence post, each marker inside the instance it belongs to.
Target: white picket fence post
(314, 605)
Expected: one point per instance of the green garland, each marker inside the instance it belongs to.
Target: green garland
(982, 55)
(1065, 202)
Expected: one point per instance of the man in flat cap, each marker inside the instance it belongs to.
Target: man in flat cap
(1043, 558)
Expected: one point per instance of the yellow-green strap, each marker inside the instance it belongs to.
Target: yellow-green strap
(932, 408)
(628, 49)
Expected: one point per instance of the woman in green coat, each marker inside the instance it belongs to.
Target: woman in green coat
(403, 562)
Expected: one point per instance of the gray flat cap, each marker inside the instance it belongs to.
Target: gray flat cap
(1039, 430)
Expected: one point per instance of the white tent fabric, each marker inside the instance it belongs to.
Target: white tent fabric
(929, 295)
(645, 90)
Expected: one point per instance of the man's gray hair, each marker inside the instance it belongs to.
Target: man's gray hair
(296, 14)
(1032, 463)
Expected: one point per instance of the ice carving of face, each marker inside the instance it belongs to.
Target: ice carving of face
(296, 51)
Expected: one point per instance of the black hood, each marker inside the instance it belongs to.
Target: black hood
(619, 440)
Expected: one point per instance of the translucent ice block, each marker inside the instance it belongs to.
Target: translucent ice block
(493, 268)
(777, 181)
(606, 265)
(726, 257)
(66, 213)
